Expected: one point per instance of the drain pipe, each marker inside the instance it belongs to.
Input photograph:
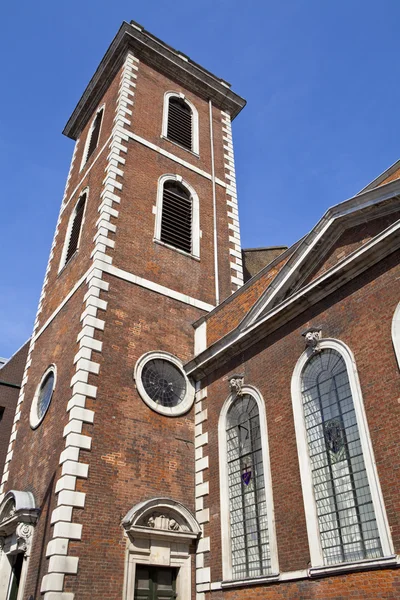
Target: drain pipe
(214, 207)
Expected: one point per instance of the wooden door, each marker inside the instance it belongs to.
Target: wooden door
(155, 583)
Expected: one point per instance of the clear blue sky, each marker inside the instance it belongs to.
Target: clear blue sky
(320, 77)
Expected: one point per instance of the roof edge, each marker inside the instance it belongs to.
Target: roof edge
(154, 52)
(378, 180)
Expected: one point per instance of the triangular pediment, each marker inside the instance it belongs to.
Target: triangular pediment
(342, 231)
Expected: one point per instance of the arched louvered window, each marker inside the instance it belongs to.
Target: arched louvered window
(336, 462)
(249, 529)
(180, 124)
(92, 137)
(176, 218)
(74, 231)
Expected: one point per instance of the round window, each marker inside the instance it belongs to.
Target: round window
(162, 383)
(42, 397)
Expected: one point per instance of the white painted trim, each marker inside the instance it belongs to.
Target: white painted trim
(366, 445)
(195, 120)
(200, 338)
(65, 201)
(169, 411)
(249, 327)
(396, 333)
(159, 289)
(195, 211)
(89, 136)
(63, 263)
(34, 420)
(180, 161)
(61, 305)
(224, 483)
(214, 198)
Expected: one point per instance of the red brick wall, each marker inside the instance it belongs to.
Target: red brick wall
(137, 454)
(225, 318)
(361, 316)
(391, 177)
(350, 240)
(92, 175)
(34, 466)
(11, 372)
(374, 585)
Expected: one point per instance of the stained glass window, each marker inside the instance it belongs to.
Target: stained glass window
(346, 517)
(247, 503)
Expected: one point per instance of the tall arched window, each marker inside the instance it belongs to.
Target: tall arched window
(344, 508)
(93, 135)
(73, 234)
(180, 121)
(177, 215)
(246, 495)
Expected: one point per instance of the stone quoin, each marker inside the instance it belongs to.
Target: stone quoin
(185, 427)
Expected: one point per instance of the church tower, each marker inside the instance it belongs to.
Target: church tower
(98, 490)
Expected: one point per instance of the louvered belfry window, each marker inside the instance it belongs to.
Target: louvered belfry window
(180, 122)
(94, 138)
(76, 228)
(176, 220)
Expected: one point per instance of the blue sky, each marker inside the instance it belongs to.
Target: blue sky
(321, 121)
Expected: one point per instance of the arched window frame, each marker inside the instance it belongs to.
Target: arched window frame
(195, 120)
(89, 136)
(396, 333)
(196, 233)
(224, 486)
(34, 420)
(63, 263)
(316, 554)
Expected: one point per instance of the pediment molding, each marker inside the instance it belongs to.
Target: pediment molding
(163, 518)
(312, 250)
(18, 514)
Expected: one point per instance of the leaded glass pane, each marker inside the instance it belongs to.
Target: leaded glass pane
(164, 382)
(45, 393)
(247, 503)
(345, 511)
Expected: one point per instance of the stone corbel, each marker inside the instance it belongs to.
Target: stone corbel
(24, 532)
(236, 382)
(313, 336)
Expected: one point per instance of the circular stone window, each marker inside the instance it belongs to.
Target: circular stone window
(42, 397)
(163, 384)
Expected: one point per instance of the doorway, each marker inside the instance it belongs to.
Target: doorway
(155, 583)
(15, 576)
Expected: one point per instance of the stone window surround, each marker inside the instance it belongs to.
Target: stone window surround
(89, 136)
(85, 191)
(157, 209)
(195, 121)
(34, 420)
(317, 562)
(224, 490)
(163, 540)
(396, 333)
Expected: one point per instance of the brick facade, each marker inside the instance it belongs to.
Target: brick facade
(102, 456)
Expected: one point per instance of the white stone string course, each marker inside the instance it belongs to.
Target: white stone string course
(21, 396)
(231, 200)
(203, 574)
(65, 527)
